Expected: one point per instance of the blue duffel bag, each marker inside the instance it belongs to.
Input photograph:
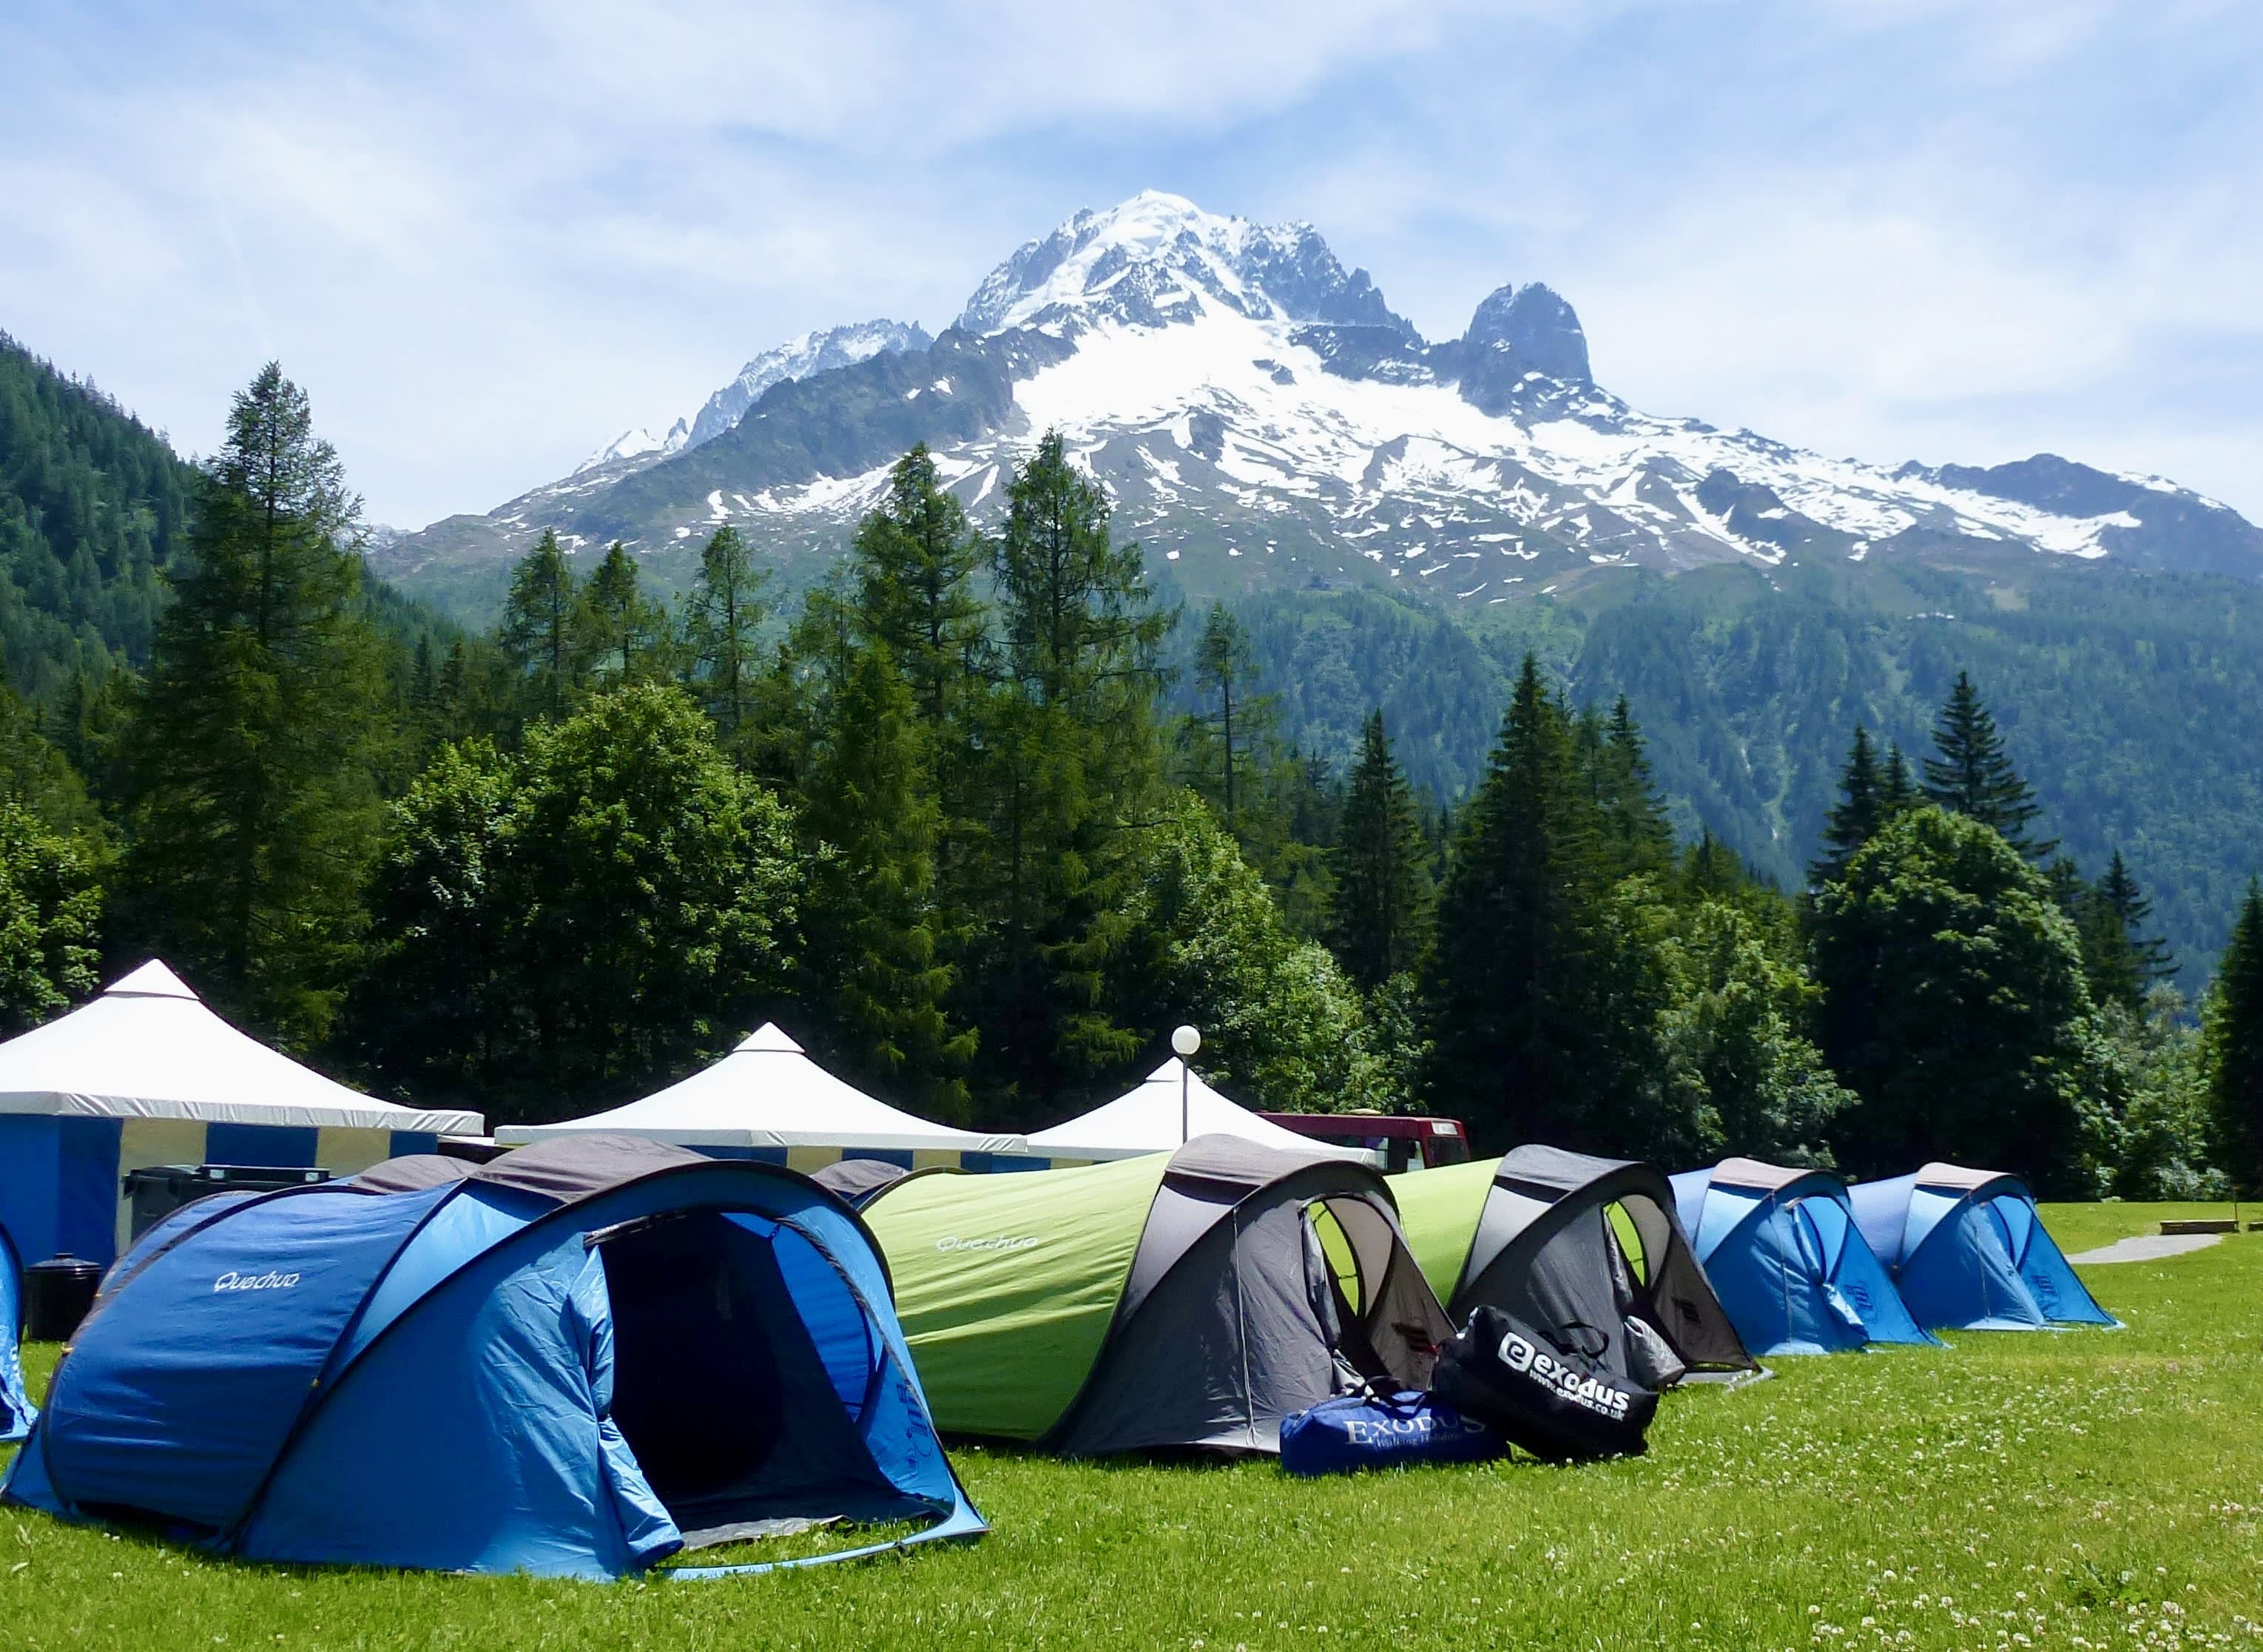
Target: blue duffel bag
(1377, 1431)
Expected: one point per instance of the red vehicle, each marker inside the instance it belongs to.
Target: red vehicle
(1408, 1142)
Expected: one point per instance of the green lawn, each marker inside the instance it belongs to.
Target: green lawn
(2090, 1489)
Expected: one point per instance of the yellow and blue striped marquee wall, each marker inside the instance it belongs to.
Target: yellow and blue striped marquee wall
(62, 1178)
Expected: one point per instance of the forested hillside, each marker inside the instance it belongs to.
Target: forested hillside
(2126, 698)
(92, 507)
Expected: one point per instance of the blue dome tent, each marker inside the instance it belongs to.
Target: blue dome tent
(17, 1410)
(576, 1361)
(1787, 1260)
(1968, 1250)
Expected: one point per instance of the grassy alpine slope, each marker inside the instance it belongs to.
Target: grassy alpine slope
(2083, 1489)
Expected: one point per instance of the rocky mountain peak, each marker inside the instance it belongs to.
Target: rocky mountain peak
(1537, 327)
(1159, 259)
(818, 351)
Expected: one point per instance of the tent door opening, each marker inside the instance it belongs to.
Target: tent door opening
(738, 1372)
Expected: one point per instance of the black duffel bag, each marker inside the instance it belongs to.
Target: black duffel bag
(1556, 1402)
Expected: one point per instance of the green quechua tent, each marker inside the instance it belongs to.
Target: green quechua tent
(1184, 1298)
(1588, 1251)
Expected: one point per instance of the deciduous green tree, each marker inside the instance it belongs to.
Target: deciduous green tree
(50, 910)
(1955, 1005)
(610, 907)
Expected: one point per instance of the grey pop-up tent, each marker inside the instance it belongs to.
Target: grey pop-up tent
(1188, 1298)
(1587, 1250)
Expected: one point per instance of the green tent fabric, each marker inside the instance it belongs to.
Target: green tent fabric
(1006, 1285)
(1438, 1211)
(1183, 1300)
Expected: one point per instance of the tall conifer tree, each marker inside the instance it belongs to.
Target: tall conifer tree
(1635, 836)
(1380, 917)
(875, 966)
(626, 632)
(1972, 774)
(1223, 669)
(2124, 962)
(2234, 1047)
(1505, 990)
(1073, 768)
(258, 737)
(914, 564)
(1862, 809)
(721, 617)
(542, 630)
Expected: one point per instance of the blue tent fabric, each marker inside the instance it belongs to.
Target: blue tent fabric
(1789, 1263)
(575, 1362)
(17, 1411)
(1969, 1251)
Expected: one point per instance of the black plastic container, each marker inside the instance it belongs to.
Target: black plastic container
(157, 1190)
(57, 1293)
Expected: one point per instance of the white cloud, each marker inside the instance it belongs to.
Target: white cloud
(487, 238)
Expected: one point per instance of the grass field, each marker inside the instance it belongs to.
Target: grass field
(2086, 1490)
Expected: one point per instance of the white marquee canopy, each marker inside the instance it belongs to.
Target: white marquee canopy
(768, 1093)
(150, 1048)
(1148, 1118)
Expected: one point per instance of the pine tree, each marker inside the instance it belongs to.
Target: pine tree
(1234, 719)
(1973, 775)
(2233, 1046)
(2139, 962)
(1635, 834)
(912, 568)
(875, 966)
(1507, 986)
(258, 738)
(541, 630)
(911, 589)
(625, 631)
(721, 617)
(1380, 918)
(1896, 790)
(1862, 809)
(1071, 767)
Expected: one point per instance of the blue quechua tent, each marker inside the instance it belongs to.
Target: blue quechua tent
(1788, 1261)
(574, 1361)
(15, 1409)
(1968, 1250)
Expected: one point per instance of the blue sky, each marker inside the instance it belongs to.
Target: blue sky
(487, 238)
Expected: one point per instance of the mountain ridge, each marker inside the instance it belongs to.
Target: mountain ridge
(1262, 418)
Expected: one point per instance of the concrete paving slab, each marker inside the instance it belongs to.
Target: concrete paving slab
(2150, 1247)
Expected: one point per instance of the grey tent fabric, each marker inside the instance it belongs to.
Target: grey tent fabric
(571, 1168)
(1545, 1250)
(1230, 1319)
(857, 1180)
(1220, 1358)
(411, 1172)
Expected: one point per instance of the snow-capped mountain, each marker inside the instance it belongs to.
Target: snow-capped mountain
(812, 353)
(638, 444)
(1260, 415)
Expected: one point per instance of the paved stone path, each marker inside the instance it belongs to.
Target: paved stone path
(2149, 1247)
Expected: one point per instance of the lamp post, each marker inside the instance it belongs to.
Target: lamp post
(1184, 1041)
